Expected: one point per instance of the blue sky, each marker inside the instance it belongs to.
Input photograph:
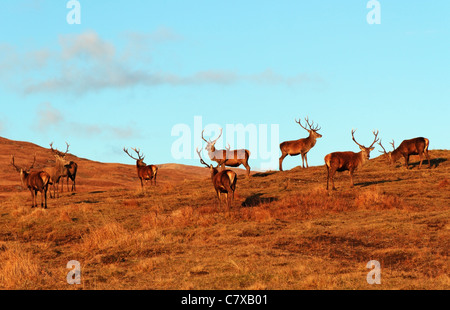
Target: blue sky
(132, 71)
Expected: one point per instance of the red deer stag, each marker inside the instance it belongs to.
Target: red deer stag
(35, 181)
(342, 161)
(224, 181)
(144, 171)
(58, 170)
(417, 146)
(301, 146)
(72, 168)
(234, 158)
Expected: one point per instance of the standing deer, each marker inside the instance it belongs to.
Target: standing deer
(234, 158)
(301, 146)
(342, 161)
(72, 168)
(35, 181)
(58, 170)
(144, 171)
(224, 182)
(416, 146)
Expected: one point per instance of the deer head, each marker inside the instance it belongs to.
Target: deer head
(140, 159)
(210, 147)
(313, 131)
(366, 150)
(56, 152)
(23, 172)
(387, 154)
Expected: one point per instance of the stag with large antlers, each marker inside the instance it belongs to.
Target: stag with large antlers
(342, 161)
(59, 170)
(144, 171)
(301, 146)
(35, 181)
(417, 146)
(230, 158)
(224, 182)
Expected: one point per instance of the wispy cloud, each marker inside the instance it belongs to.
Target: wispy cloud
(49, 118)
(88, 63)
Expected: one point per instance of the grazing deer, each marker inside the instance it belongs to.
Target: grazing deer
(301, 146)
(58, 170)
(144, 171)
(234, 158)
(72, 168)
(224, 181)
(35, 181)
(342, 161)
(417, 146)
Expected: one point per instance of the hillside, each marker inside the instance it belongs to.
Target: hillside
(285, 231)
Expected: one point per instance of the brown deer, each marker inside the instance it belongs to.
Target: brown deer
(35, 181)
(224, 182)
(417, 146)
(144, 171)
(58, 170)
(301, 146)
(234, 158)
(342, 161)
(72, 168)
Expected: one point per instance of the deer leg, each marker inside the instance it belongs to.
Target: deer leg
(306, 160)
(428, 158)
(406, 161)
(421, 159)
(247, 167)
(45, 197)
(218, 198)
(328, 176)
(331, 173)
(351, 178)
(280, 161)
(32, 198)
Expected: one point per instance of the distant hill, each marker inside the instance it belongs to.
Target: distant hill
(91, 175)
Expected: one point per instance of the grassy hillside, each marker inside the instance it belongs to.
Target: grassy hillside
(285, 231)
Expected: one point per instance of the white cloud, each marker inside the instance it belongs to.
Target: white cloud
(50, 118)
(87, 63)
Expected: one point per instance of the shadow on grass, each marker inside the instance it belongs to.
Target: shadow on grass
(263, 174)
(434, 162)
(256, 199)
(365, 184)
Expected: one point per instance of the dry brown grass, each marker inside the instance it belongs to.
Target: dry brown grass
(285, 231)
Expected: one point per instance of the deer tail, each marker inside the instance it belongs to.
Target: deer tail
(427, 144)
(46, 178)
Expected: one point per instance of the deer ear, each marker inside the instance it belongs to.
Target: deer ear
(372, 148)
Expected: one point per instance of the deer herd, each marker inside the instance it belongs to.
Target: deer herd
(224, 181)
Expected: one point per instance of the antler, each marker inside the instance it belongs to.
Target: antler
(137, 152)
(392, 143)
(59, 153)
(310, 125)
(384, 151)
(374, 141)
(214, 141)
(18, 168)
(201, 159)
(13, 164)
(353, 137)
(126, 151)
